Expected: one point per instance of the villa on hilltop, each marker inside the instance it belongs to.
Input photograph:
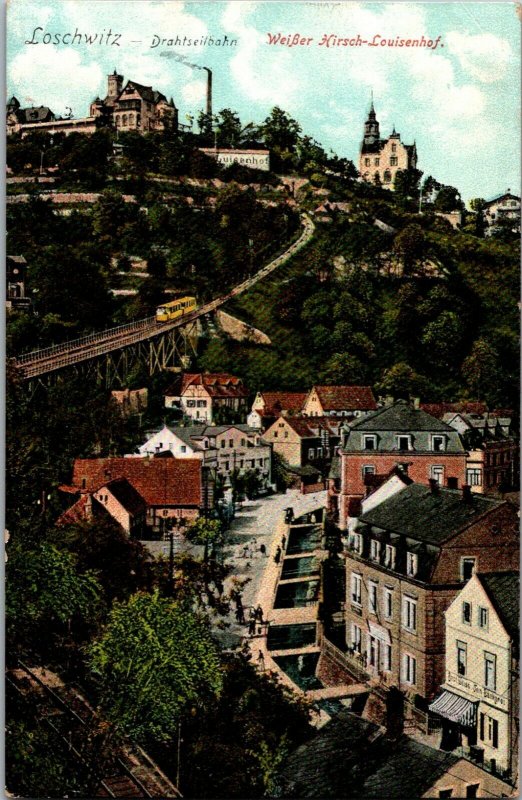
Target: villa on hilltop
(381, 159)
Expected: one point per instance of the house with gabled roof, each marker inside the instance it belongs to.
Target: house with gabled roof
(304, 441)
(339, 401)
(268, 406)
(226, 449)
(478, 705)
(208, 397)
(116, 498)
(175, 491)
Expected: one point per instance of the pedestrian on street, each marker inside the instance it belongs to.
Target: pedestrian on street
(245, 551)
(262, 549)
(277, 557)
(238, 600)
(283, 541)
(252, 622)
(240, 615)
(259, 613)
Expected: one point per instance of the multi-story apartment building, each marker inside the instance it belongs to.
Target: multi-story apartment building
(492, 462)
(305, 440)
(396, 435)
(479, 703)
(225, 449)
(407, 558)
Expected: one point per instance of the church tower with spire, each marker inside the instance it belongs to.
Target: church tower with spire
(381, 159)
(371, 127)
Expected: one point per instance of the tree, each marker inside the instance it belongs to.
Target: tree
(407, 184)
(280, 472)
(448, 199)
(45, 594)
(154, 661)
(401, 381)
(206, 532)
(344, 369)
(480, 370)
(410, 245)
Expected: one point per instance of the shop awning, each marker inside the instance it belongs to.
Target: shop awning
(456, 709)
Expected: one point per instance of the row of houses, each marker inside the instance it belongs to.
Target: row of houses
(431, 575)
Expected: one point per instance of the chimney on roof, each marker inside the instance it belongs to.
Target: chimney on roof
(466, 493)
(434, 486)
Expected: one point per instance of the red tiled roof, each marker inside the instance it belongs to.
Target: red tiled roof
(161, 481)
(217, 384)
(308, 427)
(466, 407)
(76, 513)
(127, 496)
(275, 402)
(338, 398)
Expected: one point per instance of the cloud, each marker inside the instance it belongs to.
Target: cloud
(484, 56)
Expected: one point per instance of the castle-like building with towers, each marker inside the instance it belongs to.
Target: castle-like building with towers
(132, 107)
(381, 159)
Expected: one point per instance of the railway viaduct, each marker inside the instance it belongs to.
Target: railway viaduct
(108, 356)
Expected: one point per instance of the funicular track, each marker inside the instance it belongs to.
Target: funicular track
(130, 773)
(41, 362)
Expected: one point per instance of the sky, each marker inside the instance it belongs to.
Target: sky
(460, 100)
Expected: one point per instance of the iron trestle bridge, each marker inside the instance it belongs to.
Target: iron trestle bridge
(109, 354)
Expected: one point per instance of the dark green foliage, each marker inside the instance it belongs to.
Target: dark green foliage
(225, 743)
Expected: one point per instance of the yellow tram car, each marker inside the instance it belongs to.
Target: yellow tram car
(176, 308)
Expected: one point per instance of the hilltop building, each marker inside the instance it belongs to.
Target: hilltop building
(208, 397)
(381, 159)
(132, 107)
(501, 210)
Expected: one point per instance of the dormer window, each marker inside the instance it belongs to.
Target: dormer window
(438, 443)
(411, 564)
(375, 550)
(389, 556)
(404, 442)
(370, 442)
(355, 542)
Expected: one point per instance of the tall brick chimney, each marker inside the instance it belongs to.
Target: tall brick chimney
(209, 91)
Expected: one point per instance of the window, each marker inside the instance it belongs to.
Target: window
(403, 442)
(355, 542)
(490, 671)
(275, 434)
(201, 403)
(394, 161)
(438, 443)
(366, 162)
(445, 792)
(386, 176)
(369, 442)
(183, 448)
(409, 669)
(311, 453)
(467, 566)
(389, 556)
(483, 618)
(462, 657)
(376, 162)
(388, 603)
(437, 474)
(394, 148)
(409, 614)
(191, 404)
(472, 789)
(474, 476)
(488, 730)
(411, 564)
(319, 452)
(368, 469)
(231, 443)
(387, 658)
(356, 588)
(375, 550)
(466, 613)
(222, 443)
(372, 597)
(356, 638)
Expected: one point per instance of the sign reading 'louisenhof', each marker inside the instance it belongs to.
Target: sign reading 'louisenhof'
(253, 159)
